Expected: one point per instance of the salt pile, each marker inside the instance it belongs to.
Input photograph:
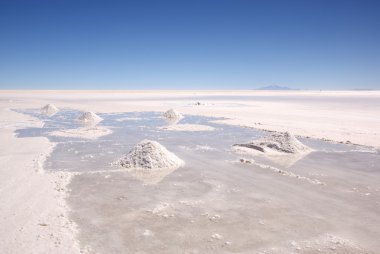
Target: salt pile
(150, 155)
(89, 117)
(49, 110)
(173, 114)
(278, 142)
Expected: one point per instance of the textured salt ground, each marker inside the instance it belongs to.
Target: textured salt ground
(333, 124)
(188, 127)
(211, 205)
(214, 206)
(238, 205)
(125, 119)
(322, 244)
(260, 109)
(34, 217)
(83, 132)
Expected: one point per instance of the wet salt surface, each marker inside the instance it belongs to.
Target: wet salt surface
(214, 204)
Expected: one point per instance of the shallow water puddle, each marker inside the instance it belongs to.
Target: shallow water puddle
(214, 203)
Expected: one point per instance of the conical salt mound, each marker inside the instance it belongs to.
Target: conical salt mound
(150, 155)
(49, 109)
(173, 114)
(89, 117)
(280, 142)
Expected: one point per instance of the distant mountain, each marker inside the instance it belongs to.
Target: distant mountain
(275, 87)
(364, 89)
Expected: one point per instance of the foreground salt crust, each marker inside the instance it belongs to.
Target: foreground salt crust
(89, 117)
(150, 155)
(326, 243)
(49, 110)
(35, 217)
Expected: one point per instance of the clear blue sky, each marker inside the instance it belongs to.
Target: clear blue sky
(200, 44)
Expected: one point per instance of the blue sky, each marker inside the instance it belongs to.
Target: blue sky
(189, 44)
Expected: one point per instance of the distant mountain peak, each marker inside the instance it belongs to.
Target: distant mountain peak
(275, 87)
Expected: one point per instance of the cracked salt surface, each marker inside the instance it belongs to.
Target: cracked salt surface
(216, 202)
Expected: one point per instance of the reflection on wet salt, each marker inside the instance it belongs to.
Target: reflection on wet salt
(172, 121)
(150, 176)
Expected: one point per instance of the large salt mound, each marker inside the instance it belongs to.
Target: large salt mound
(173, 114)
(150, 155)
(89, 117)
(279, 142)
(49, 109)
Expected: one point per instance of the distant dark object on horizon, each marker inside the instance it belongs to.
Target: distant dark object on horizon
(364, 89)
(275, 87)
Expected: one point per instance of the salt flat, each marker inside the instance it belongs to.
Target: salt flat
(336, 115)
(37, 214)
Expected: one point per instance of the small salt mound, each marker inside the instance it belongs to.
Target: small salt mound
(89, 117)
(49, 109)
(279, 142)
(150, 155)
(173, 114)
